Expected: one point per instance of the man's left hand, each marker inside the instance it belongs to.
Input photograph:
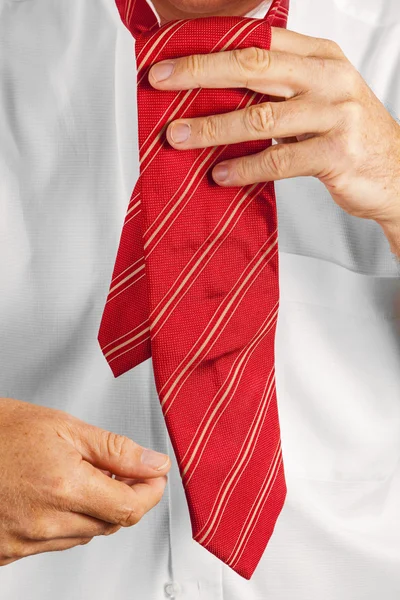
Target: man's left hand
(330, 124)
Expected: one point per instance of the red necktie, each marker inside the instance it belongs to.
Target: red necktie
(195, 286)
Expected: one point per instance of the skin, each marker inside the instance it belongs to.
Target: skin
(55, 470)
(328, 122)
(191, 9)
(56, 487)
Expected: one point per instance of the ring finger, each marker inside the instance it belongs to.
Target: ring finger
(68, 525)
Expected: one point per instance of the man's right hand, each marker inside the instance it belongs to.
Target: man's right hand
(56, 489)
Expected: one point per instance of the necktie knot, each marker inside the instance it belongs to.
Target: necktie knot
(140, 18)
(185, 37)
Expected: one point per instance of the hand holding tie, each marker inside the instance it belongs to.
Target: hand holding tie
(330, 124)
(56, 488)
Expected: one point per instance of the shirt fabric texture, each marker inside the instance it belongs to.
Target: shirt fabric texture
(68, 163)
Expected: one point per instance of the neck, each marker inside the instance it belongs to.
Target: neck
(168, 11)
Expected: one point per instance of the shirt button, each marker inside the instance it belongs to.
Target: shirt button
(172, 589)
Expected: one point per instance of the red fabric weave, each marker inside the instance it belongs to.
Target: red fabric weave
(195, 286)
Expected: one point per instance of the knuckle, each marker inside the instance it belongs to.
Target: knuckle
(61, 488)
(334, 48)
(11, 551)
(40, 530)
(157, 497)
(132, 516)
(277, 161)
(85, 541)
(321, 65)
(351, 113)
(195, 65)
(347, 79)
(244, 170)
(117, 445)
(353, 80)
(4, 554)
(251, 60)
(329, 47)
(109, 530)
(25, 550)
(260, 118)
(210, 128)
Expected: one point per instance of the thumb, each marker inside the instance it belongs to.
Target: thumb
(117, 453)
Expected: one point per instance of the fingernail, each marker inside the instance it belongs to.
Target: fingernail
(180, 132)
(221, 172)
(162, 71)
(154, 459)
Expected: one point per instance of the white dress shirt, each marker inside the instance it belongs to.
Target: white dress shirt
(68, 163)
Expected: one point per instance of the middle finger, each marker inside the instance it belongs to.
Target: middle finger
(258, 122)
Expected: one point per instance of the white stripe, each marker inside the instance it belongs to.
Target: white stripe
(195, 94)
(132, 207)
(127, 10)
(160, 134)
(214, 329)
(268, 488)
(132, 339)
(110, 298)
(117, 285)
(213, 343)
(209, 153)
(262, 410)
(124, 335)
(244, 359)
(154, 46)
(149, 240)
(226, 222)
(132, 217)
(261, 493)
(129, 349)
(220, 150)
(127, 268)
(233, 38)
(255, 339)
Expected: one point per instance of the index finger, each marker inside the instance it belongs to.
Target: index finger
(114, 501)
(285, 70)
(263, 71)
